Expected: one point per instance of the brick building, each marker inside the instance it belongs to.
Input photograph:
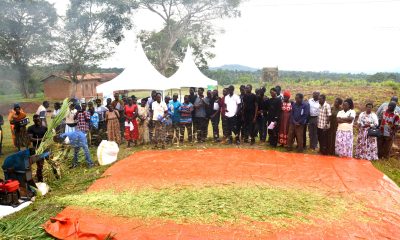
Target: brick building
(60, 86)
(270, 75)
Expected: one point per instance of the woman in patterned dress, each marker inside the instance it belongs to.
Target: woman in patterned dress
(113, 129)
(131, 125)
(285, 118)
(367, 147)
(344, 134)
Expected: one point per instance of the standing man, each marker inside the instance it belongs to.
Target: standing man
(200, 105)
(169, 130)
(240, 114)
(389, 126)
(192, 99)
(313, 120)
(260, 125)
(36, 133)
(215, 114)
(160, 112)
(83, 119)
(223, 115)
(150, 101)
(250, 110)
(298, 119)
(323, 124)
(232, 102)
(382, 109)
(176, 116)
(41, 111)
(274, 106)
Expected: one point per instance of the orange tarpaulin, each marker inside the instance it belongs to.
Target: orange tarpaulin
(339, 176)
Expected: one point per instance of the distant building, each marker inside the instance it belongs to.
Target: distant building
(60, 86)
(270, 75)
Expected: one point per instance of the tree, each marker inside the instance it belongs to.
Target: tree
(185, 21)
(25, 36)
(92, 27)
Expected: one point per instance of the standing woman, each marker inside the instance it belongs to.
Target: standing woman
(336, 108)
(367, 147)
(131, 125)
(274, 107)
(344, 134)
(113, 129)
(285, 118)
(19, 121)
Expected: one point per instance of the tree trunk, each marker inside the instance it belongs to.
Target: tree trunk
(24, 77)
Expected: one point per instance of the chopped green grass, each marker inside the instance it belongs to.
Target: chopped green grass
(216, 205)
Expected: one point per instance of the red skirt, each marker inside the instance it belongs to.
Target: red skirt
(134, 134)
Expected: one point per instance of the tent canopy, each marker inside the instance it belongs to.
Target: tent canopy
(140, 74)
(189, 75)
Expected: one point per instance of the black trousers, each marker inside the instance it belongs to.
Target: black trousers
(232, 126)
(323, 137)
(215, 125)
(249, 130)
(224, 127)
(201, 128)
(273, 135)
(261, 129)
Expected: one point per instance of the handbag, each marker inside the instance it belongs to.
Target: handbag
(374, 132)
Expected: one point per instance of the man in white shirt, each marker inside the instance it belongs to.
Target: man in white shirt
(41, 111)
(232, 102)
(160, 112)
(313, 120)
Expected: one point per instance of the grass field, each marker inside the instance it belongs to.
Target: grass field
(26, 224)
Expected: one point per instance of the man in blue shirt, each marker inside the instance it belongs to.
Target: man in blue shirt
(298, 119)
(77, 140)
(176, 116)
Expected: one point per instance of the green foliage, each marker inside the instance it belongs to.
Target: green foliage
(25, 36)
(184, 22)
(215, 204)
(90, 27)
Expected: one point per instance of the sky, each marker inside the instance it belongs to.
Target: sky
(305, 35)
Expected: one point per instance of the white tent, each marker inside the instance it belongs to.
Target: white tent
(139, 74)
(189, 75)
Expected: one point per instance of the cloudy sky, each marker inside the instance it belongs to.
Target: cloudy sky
(316, 35)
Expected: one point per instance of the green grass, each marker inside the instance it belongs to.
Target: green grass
(216, 204)
(75, 182)
(11, 98)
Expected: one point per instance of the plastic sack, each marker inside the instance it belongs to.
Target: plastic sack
(43, 188)
(107, 152)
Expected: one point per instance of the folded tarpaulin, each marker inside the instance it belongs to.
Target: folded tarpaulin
(67, 228)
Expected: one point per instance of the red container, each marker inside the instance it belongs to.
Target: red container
(9, 186)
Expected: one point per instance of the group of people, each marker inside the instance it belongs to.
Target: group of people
(244, 117)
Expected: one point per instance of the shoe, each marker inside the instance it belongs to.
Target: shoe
(73, 166)
(90, 165)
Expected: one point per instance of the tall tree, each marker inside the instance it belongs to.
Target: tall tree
(185, 21)
(92, 28)
(25, 36)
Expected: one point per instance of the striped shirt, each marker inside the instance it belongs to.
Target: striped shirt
(186, 113)
(324, 116)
